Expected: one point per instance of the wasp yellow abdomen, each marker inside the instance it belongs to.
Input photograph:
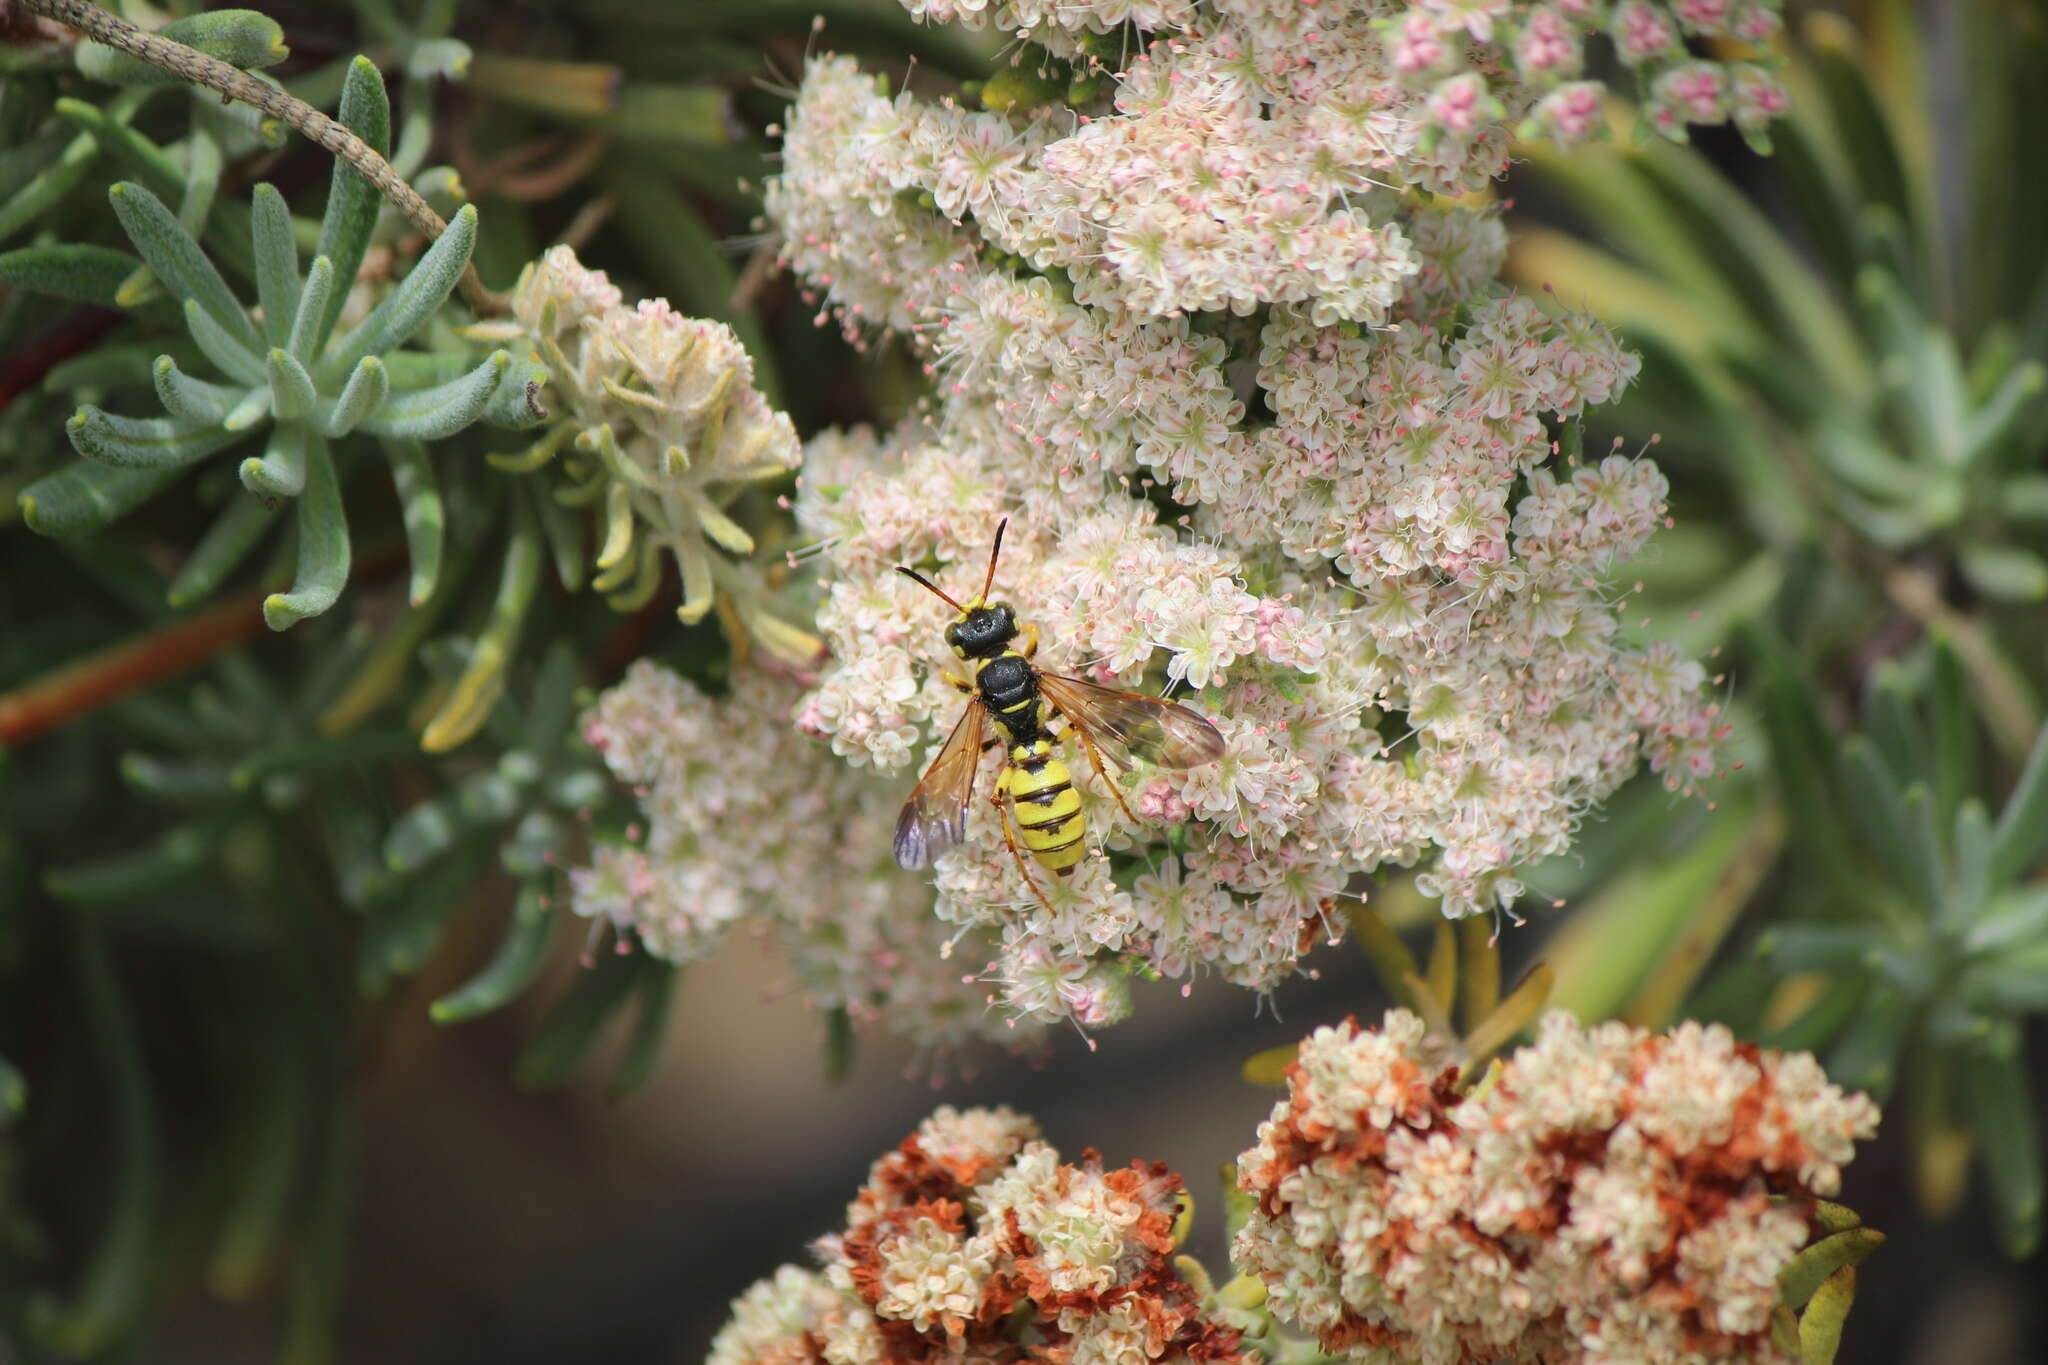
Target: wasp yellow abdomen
(1047, 808)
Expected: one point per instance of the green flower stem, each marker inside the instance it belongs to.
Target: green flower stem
(469, 701)
(231, 82)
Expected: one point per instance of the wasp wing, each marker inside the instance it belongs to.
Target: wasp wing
(1126, 726)
(935, 817)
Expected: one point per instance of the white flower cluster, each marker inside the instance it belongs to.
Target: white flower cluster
(973, 1241)
(1226, 282)
(665, 428)
(746, 818)
(1609, 1196)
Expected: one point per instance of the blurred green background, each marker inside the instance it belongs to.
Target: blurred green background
(223, 921)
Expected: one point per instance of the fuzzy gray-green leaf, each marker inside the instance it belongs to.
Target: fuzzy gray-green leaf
(291, 389)
(193, 400)
(309, 318)
(83, 497)
(177, 260)
(277, 263)
(406, 308)
(235, 360)
(443, 410)
(143, 442)
(2023, 825)
(323, 544)
(412, 474)
(515, 403)
(364, 393)
(239, 37)
(352, 202)
(75, 271)
(281, 471)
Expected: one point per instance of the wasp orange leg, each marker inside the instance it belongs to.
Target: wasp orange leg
(1095, 760)
(1006, 815)
(1028, 635)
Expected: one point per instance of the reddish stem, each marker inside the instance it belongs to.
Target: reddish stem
(71, 690)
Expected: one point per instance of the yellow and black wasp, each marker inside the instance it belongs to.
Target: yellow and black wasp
(1034, 793)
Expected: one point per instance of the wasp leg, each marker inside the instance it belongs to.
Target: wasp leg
(1029, 635)
(1095, 761)
(958, 683)
(1006, 816)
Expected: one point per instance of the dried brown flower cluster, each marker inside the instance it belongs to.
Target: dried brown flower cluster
(1609, 1196)
(974, 1242)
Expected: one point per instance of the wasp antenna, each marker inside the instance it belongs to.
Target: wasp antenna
(995, 552)
(918, 578)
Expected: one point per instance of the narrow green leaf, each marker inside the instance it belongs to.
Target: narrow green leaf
(1954, 731)
(216, 344)
(515, 403)
(310, 316)
(224, 546)
(75, 271)
(1999, 1102)
(239, 37)
(143, 442)
(352, 202)
(1889, 719)
(483, 677)
(400, 940)
(203, 162)
(1827, 1313)
(1804, 1273)
(323, 544)
(1972, 881)
(1866, 1054)
(1820, 1021)
(277, 263)
(178, 262)
(570, 1030)
(1995, 420)
(2011, 918)
(32, 200)
(156, 169)
(364, 393)
(13, 1092)
(273, 1140)
(291, 389)
(280, 472)
(1269, 1067)
(512, 968)
(2009, 573)
(2016, 982)
(419, 498)
(118, 366)
(436, 413)
(655, 987)
(1803, 758)
(117, 1280)
(2023, 825)
(1926, 868)
(406, 308)
(564, 531)
(192, 400)
(83, 497)
(537, 841)
(171, 858)
(177, 782)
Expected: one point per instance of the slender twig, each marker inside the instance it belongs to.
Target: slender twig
(85, 685)
(232, 83)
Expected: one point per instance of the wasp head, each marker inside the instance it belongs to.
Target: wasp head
(981, 631)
